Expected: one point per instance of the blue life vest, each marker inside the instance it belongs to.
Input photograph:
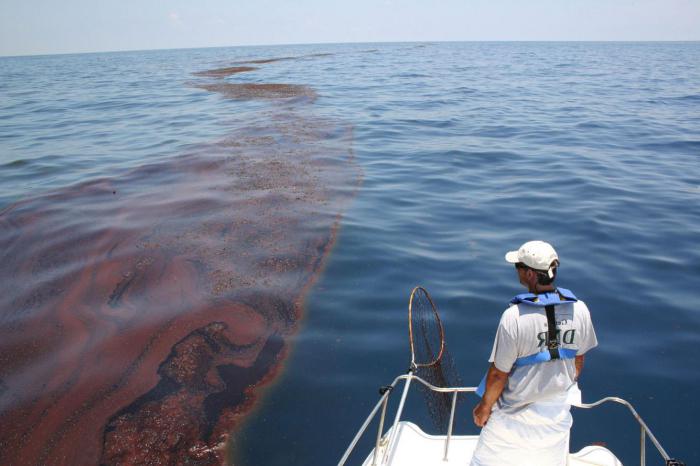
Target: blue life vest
(547, 301)
(559, 296)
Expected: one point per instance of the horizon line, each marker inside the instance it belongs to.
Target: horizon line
(38, 54)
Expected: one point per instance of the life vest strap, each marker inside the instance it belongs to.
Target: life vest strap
(552, 342)
(544, 356)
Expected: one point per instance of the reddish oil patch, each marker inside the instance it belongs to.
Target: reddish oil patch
(266, 60)
(255, 91)
(276, 59)
(140, 314)
(223, 72)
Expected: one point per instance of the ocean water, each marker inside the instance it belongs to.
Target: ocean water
(459, 152)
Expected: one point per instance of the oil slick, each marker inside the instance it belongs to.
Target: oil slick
(142, 313)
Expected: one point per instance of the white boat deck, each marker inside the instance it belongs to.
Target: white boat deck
(412, 447)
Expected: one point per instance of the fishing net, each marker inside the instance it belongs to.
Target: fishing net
(430, 359)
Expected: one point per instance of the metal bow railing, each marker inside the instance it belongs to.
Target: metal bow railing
(389, 442)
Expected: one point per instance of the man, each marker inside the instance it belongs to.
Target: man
(536, 360)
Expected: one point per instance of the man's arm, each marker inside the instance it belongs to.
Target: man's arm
(495, 383)
(579, 364)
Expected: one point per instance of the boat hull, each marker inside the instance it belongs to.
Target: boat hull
(410, 446)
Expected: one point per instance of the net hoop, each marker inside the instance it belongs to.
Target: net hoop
(412, 333)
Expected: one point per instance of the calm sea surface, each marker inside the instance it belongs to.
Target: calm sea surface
(466, 151)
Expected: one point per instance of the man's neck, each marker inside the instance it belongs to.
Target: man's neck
(537, 289)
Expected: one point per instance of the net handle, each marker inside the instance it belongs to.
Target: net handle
(414, 365)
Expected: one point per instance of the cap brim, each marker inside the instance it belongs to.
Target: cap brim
(512, 257)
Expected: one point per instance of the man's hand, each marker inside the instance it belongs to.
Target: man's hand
(579, 364)
(481, 414)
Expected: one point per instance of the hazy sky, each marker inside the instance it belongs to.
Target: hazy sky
(52, 26)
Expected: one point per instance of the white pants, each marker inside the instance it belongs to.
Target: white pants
(537, 435)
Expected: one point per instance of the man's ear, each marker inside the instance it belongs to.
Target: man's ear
(532, 276)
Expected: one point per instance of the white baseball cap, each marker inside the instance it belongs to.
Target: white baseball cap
(535, 254)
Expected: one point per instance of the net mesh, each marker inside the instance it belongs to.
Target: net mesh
(430, 358)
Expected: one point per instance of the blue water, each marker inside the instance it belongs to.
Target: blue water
(467, 150)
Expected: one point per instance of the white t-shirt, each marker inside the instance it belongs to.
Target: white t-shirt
(521, 332)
